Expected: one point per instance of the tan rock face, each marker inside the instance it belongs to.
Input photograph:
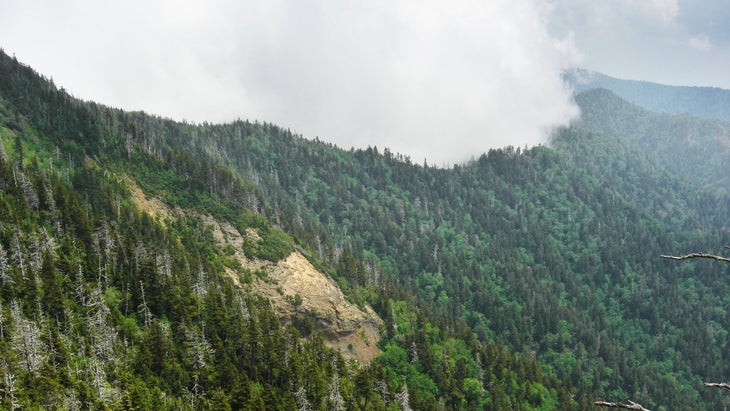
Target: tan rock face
(351, 329)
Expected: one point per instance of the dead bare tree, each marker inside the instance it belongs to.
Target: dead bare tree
(630, 406)
(722, 385)
(698, 255)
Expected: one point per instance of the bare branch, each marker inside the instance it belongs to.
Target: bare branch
(631, 406)
(723, 385)
(697, 255)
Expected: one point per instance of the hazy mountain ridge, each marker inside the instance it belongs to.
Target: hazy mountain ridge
(539, 252)
(697, 150)
(705, 102)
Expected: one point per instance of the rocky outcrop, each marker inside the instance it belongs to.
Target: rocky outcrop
(351, 329)
(296, 288)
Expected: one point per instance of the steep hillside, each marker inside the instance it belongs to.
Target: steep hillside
(695, 149)
(137, 262)
(704, 102)
(531, 250)
(513, 238)
(294, 286)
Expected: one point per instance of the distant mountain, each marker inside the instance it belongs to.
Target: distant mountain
(705, 102)
(697, 150)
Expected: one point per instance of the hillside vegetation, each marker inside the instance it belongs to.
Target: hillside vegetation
(526, 279)
(695, 149)
(111, 300)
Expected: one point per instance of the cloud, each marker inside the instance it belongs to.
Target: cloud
(699, 43)
(665, 11)
(438, 80)
(430, 79)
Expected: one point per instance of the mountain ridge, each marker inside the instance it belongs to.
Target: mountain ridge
(704, 102)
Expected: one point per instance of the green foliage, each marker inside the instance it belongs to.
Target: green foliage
(525, 279)
(694, 149)
(273, 246)
(102, 306)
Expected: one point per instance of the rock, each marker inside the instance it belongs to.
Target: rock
(351, 329)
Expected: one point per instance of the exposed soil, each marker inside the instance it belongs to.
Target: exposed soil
(151, 206)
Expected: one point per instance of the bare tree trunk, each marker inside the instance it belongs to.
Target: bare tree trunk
(631, 406)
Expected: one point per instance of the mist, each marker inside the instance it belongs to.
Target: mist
(432, 80)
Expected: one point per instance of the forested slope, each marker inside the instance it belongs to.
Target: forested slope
(107, 303)
(697, 150)
(531, 250)
(526, 279)
(646, 184)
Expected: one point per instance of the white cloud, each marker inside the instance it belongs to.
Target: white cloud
(666, 11)
(442, 80)
(700, 43)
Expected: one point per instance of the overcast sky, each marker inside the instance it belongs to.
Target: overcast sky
(442, 80)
